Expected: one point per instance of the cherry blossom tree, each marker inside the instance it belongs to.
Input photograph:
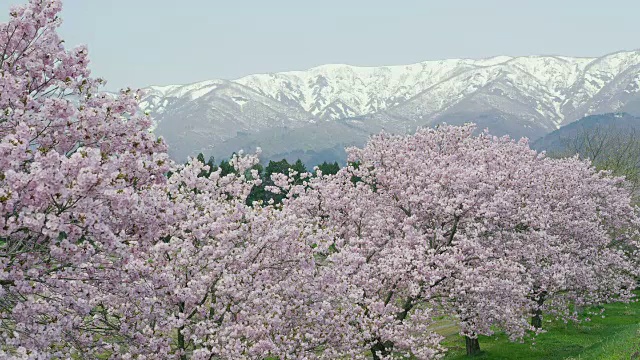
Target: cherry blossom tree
(576, 235)
(102, 255)
(73, 165)
(478, 228)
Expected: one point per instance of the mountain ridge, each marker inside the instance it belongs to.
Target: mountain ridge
(521, 96)
(611, 124)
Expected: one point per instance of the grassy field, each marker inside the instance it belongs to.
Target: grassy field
(617, 336)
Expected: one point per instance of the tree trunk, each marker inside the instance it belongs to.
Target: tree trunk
(536, 319)
(472, 345)
(383, 349)
(380, 349)
(181, 344)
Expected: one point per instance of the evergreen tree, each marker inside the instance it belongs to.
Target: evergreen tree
(329, 168)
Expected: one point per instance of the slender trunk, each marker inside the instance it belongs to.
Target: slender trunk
(181, 347)
(472, 345)
(381, 349)
(536, 319)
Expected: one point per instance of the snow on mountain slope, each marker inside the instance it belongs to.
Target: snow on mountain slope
(530, 96)
(362, 90)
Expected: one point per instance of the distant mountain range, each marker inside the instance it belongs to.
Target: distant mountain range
(612, 124)
(314, 114)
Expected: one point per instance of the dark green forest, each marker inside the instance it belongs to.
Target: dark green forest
(259, 193)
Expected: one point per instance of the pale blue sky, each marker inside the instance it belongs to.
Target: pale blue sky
(143, 42)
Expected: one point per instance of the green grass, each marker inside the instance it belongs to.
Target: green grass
(617, 336)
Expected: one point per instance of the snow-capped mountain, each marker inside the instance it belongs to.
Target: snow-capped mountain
(313, 114)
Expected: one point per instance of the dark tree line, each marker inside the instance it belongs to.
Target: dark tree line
(260, 193)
